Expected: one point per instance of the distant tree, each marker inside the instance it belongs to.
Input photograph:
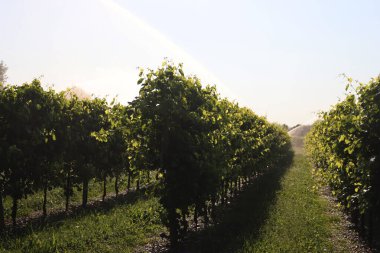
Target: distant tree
(285, 127)
(3, 71)
(291, 128)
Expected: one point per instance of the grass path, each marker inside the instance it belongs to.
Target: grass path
(120, 227)
(301, 220)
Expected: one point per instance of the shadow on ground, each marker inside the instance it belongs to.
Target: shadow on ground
(243, 218)
(57, 218)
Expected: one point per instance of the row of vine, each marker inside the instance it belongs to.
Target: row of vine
(344, 147)
(201, 147)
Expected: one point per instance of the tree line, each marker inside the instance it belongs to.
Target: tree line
(344, 147)
(201, 147)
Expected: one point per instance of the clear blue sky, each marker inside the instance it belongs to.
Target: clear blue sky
(281, 58)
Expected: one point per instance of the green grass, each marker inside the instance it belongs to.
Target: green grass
(56, 198)
(298, 144)
(121, 227)
(298, 220)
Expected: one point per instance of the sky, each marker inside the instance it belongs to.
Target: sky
(283, 59)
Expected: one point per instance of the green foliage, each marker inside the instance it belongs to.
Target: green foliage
(344, 147)
(200, 146)
(124, 228)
